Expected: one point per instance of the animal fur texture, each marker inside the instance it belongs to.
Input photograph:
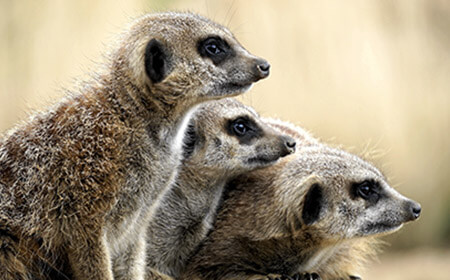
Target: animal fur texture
(224, 139)
(79, 182)
(313, 214)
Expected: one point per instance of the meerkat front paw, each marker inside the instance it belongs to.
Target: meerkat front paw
(352, 277)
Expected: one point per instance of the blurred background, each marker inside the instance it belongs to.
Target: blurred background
(372, 77)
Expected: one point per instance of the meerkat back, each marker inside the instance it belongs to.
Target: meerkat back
(81, 179)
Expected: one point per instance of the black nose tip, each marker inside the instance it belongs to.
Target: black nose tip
(263, 68)
(289, 144)
(416, 209)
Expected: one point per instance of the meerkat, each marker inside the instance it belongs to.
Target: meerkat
(224, 139)
(314, 215)
(82, 179)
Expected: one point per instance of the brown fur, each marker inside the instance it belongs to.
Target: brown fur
(265, 226)
(79, 181)
(215, 154)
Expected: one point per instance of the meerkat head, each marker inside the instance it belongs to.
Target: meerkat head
(229, 137)
(343, 196)
(176, 55)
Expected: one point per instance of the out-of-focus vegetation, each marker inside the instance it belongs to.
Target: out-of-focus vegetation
(371, 76)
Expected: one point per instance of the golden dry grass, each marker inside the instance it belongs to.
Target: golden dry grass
(372, 76)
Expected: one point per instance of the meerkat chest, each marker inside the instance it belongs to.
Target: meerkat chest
(151, 169)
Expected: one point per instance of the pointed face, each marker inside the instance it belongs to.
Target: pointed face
(180, 55)
(227, 137)
(343, 196)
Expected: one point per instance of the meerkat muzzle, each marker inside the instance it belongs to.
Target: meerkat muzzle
(262, 68)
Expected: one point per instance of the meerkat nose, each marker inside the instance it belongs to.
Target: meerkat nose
(289, 144)
(263, 68)
(414, 209)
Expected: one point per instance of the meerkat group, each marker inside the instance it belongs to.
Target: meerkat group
(131, 177)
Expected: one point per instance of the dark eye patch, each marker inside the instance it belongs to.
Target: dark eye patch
(215, 48)
(368, 190)
(244, 128)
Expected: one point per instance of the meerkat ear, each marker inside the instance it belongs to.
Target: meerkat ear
(156, 61)
(312, 204)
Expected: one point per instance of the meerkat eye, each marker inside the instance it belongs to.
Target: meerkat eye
(367, 190)
(364, 190)
(240, 128)
(214, 48)
(244, 129)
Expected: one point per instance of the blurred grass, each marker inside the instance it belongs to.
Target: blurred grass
(418, 264)
(373, 76)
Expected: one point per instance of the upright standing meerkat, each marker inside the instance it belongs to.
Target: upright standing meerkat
(81, 180)
(223, 139)
(313, 215)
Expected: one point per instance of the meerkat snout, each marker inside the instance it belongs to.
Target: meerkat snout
(233, 66)
(262, 68)
(414, 209)
(266, 143)
(289, 144)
